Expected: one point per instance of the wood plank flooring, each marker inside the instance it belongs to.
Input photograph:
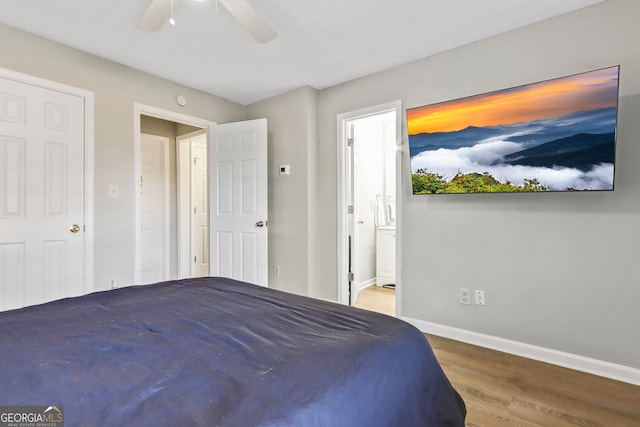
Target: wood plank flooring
(500, 389)
(378, 299)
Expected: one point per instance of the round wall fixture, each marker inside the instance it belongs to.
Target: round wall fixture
(181, 100)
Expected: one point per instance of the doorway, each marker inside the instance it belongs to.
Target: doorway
(235, 199)
(175, 249)
(368, 162)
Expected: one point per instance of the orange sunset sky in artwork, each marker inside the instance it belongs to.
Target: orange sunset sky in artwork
(544, 100)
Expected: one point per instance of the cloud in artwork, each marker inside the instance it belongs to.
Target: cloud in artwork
(487, 157)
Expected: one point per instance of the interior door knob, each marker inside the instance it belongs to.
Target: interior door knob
(74, 228)
(260, 224)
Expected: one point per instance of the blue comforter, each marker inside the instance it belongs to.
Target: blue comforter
(218, 352)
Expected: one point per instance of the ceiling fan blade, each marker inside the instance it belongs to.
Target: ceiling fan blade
(249, 19)
(158, 12)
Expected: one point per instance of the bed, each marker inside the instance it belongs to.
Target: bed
(219, 352)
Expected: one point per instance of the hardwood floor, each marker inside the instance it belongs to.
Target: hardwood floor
(378, 299)
(500, 389)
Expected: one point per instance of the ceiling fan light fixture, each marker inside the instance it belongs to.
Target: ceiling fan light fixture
(172, 21)
(161, 11)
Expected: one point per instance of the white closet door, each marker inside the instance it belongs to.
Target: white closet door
(199, 208)
(154, 209)
(41, 194)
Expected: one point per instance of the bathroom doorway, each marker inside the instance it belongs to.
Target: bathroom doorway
(368, 215)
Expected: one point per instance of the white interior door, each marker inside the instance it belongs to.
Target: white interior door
(154, 209)
(41, 194)
(193, 205)
(238, 194)
(199, 207)
(352, 214)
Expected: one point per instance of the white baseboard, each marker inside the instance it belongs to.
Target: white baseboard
(572, 361)
(366, 283)
(360, 286)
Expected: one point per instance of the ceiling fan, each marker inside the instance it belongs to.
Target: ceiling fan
(161, 11)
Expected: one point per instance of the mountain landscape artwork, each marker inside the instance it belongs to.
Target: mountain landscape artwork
(555, 135)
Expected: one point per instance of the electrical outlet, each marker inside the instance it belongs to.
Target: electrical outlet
(276, 271)
(479, 297)
(285, 170)
(465, 296)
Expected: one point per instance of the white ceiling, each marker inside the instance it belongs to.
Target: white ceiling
(320, 43)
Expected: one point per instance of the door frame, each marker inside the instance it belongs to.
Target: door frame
(172, 116)
(89, 165)
(343, 120)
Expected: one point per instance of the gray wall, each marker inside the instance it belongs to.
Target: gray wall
(560, 270)
(116, 88)
(291, 140)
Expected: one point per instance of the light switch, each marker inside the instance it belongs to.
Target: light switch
(114, 191)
